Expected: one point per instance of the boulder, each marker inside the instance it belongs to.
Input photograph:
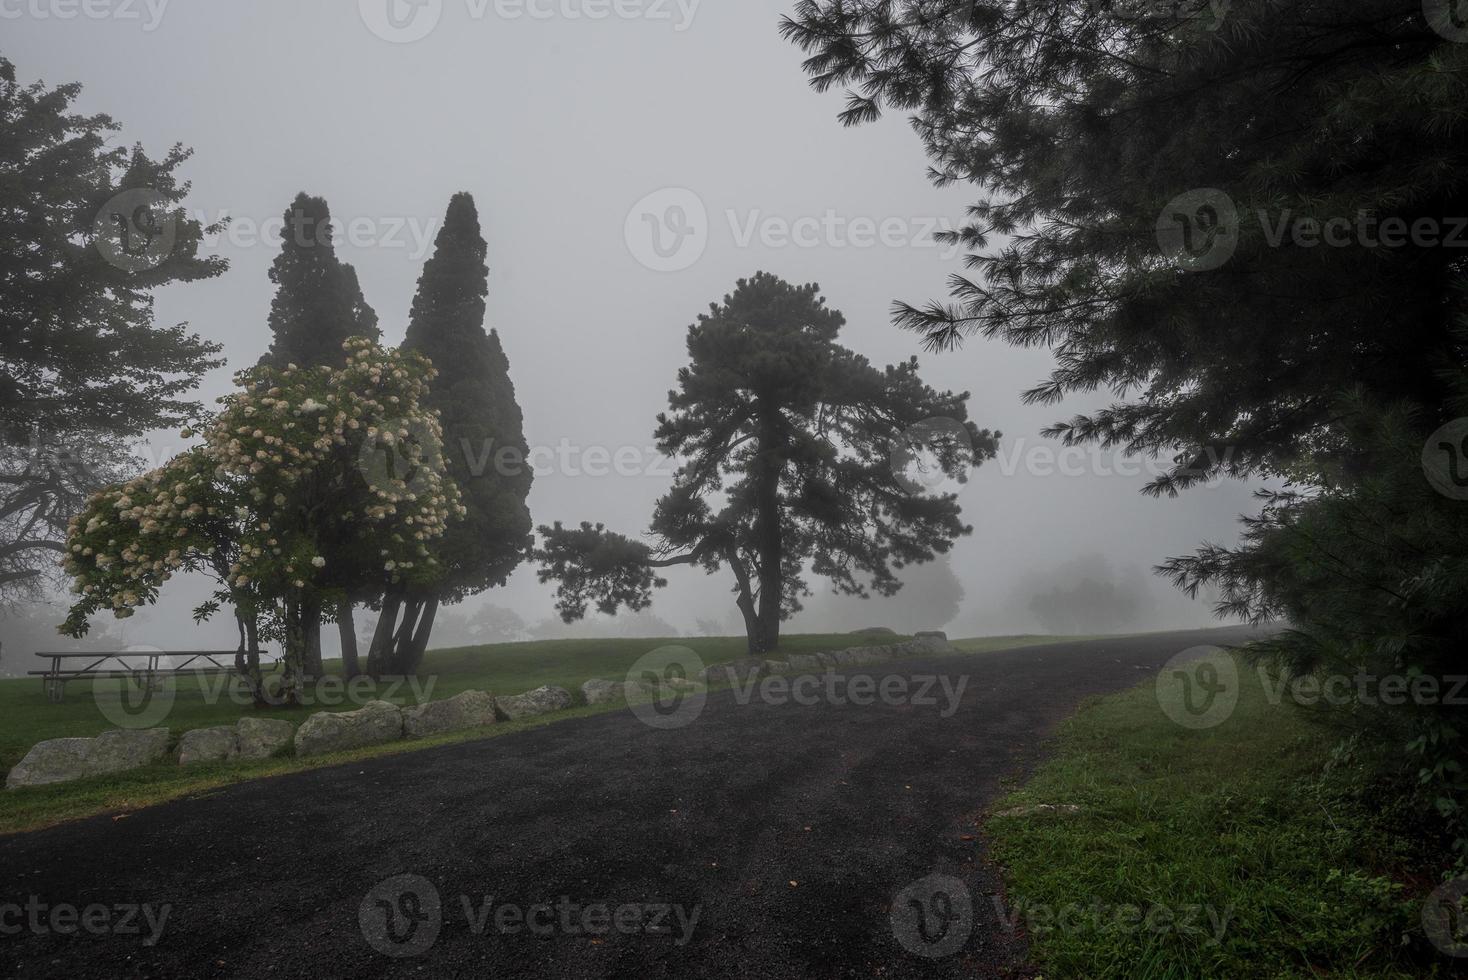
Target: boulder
(735, 672)
(934, 641)
(208, 745)
(55, 760)
(776, 667)
(335, 731)
(261, 738)
(865, 656)
(805, 662)
(540, 701)
(126, 748)
(469, 709)
(598, 691)
(839, 658)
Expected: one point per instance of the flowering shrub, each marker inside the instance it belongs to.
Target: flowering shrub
(312, 484)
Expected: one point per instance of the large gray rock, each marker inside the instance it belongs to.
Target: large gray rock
(470, 709)
(55, 760)
(934, 641)
(866, 656)
(125, 748)
(775, 667)
(336, 731)
(540, 701)
(59, 760)
(599, 691)
(261, 738)
(805, 661)
(208, 745)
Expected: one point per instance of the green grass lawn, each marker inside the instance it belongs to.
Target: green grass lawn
(1234, 820)
(26, 717)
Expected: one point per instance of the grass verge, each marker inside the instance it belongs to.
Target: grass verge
(1220, 852)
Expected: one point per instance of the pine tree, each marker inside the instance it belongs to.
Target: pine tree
(92, 228)
(1247, 221)
(484, 441)
(793, 435)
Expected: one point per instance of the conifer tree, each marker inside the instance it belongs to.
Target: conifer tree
(318, 305)
(484, 442)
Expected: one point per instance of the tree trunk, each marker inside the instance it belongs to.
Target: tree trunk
(402, 641)
(347, 629)
(769, 537)
(379, 655)
(311, 624)
(754, 632)
(296, 650)
(252, 659)
(412, 661)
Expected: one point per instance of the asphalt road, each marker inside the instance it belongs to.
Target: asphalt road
(762, 839)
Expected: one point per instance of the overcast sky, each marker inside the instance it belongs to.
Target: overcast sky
(580, 136)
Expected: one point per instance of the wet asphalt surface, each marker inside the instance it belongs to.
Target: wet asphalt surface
(761, 839)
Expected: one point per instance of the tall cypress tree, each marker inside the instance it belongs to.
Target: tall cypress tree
(318, 301)
(484, 440)
(318, 304)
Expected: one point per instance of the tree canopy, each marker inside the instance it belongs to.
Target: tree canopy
(787, 443)
(312, 485)
(1087, 126)
(1248, 223)
(92, 228)
(318, 301)
(484, 442)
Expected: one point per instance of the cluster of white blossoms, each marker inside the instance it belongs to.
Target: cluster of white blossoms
(275, 496)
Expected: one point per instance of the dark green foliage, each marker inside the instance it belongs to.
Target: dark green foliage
(92, 227)
(1322, 361)
(484, 445)
(318, 302)
(79, 350)
(483, 429)
(1080, 122)
(792, 436)
(1371, 571)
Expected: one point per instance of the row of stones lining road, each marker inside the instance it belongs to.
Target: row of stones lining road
(63, 759)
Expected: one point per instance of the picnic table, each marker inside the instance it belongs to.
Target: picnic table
(83, 666)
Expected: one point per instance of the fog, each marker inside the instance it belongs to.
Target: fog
(559, 124)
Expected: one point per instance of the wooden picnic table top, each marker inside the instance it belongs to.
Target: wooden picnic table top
(143, 653)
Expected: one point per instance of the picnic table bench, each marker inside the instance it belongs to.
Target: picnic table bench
(83, 666)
